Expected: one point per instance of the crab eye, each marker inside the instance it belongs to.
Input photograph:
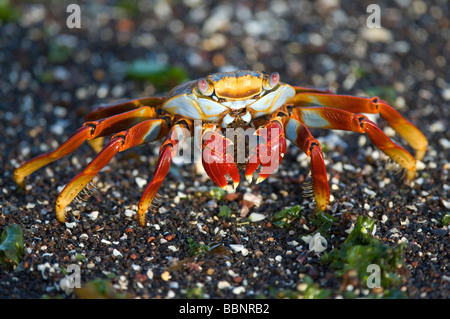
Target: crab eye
(204, 87)
(272, 81)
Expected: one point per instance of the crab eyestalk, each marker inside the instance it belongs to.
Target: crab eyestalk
(204, 87)
(272, 81)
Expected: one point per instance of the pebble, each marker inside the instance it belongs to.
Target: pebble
(256, 217)
(163, 210)
(446, 94)
(420, 166)
(369, 192)
(71, 225)
(129, 212)
(373, 35)
(237, 247)
(165, 276)
(437, 126)
(223, 284)
(252, 198)
(171, 294)
(292, 243)
(239, 290)
(136, 267)
(317, 243)
(117, 253)
(93, 215)
(445, 143)
(141, 182)
(174, 285)
(446, 203)
(172, 248)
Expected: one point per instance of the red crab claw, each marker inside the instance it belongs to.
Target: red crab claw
(267, 155)
(217, 163)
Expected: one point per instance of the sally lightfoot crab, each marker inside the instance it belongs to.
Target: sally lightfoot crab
(239, 102)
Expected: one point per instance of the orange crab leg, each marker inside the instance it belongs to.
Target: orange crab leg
(302, 89)
(88, 131)
(268, 154)
(337, 119)
(147, 131)
(299, 134)
(374, 105)
(175, 137)
(109, 110)
(217, 162)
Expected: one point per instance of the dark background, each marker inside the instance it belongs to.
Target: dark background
(51, 76)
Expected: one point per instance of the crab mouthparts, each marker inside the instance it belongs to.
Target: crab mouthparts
(236, 105)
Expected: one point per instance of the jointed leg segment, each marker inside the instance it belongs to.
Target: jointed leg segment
(299, 134)
(331, 118)
(146, 131)
(176, 136)
(90, 130)
(374, 105)
(119, 108)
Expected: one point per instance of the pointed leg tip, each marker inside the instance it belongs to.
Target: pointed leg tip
(420, 154)
(320, 208)
(143, 207)
(141, 217)
(60, 213)
(260, 179)
(410, 175)
(21, 184)
(249, 178)
(19, 180)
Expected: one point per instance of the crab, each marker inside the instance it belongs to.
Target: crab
(236, 102)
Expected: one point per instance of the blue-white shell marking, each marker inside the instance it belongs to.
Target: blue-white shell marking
(313, 119)
(186, 100)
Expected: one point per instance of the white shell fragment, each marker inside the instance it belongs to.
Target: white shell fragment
(446, 203)
(255, 199)
(256, 217)
(223, 284)
(317, 243)
(117, 253)
(141, 182)
(239, 248)
(93, 215)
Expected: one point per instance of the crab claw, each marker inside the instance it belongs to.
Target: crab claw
(217, 163)
(267, 155)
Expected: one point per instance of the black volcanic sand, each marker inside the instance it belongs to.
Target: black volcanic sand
(51, 76)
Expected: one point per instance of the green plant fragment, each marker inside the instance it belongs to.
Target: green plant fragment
(285, 217)
(11, 245)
